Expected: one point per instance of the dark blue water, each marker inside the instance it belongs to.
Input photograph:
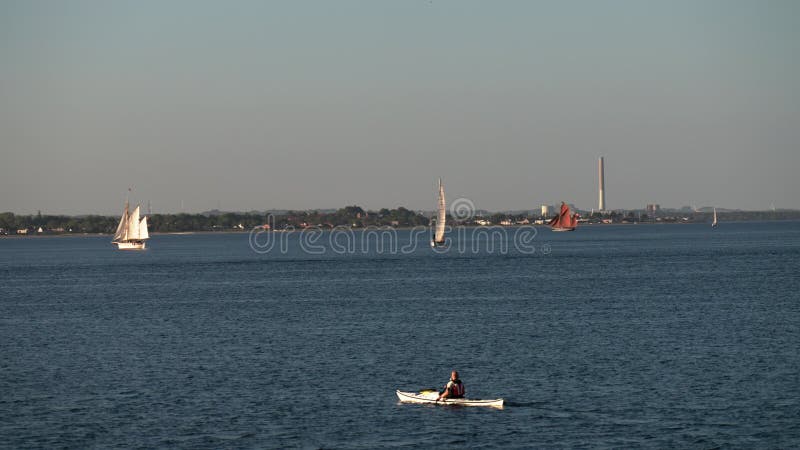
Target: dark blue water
(612, 336)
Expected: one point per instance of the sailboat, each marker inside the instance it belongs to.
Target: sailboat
(132, 231)
(438, 235)
(714, 222)
(563, 221)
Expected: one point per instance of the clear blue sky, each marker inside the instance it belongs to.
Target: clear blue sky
(321, 104)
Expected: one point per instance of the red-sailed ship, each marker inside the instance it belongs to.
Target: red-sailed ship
(563, 221)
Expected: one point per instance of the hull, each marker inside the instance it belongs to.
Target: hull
(430, 398)
(437, 244)
(563, 229)
(131, 245)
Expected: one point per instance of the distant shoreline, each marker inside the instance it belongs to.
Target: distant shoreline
(179, 233)
(349, 217)
(160, 233)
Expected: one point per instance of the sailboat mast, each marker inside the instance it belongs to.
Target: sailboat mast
(127, 199)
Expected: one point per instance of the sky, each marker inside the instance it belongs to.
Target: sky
(259, 105)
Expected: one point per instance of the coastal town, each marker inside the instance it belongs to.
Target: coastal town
(357, 217)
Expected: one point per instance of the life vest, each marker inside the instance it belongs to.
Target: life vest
(456, 389)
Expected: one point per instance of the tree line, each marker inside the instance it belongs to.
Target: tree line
(350, 216)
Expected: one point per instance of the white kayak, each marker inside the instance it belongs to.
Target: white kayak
(431, 396)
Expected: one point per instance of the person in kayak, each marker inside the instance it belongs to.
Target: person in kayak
(453, 389)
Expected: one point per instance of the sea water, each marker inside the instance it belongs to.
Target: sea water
(610, 336)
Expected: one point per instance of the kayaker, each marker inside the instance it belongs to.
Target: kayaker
(453, 389)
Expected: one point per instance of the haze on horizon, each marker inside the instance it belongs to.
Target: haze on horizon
(255, 105)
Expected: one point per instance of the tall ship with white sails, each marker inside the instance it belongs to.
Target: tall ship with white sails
(714, 222)
(132, 230)
(441, 214)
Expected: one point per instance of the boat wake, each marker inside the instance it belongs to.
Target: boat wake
(513, 404)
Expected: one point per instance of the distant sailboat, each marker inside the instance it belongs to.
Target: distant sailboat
(438, 236)
(132, 231)
(714, 222)
(563, 221)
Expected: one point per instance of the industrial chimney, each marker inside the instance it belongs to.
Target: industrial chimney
(601, 185)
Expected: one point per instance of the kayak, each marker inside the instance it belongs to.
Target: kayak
(431, 396)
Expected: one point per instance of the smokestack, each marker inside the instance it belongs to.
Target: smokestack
(601, 185)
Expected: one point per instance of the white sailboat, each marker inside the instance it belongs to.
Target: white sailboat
(132, 231)
(714, 222)
(438, 235)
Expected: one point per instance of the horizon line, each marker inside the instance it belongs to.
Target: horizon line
(491, 211)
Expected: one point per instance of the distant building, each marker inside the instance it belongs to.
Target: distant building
(653, 209)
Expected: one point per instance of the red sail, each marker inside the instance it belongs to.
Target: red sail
(563, 217)
(563, 220)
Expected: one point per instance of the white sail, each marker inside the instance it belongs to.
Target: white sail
(714, 222)
(133, 225)
(132, 230)
(143, 234)
(122, 228)
(441, 216)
